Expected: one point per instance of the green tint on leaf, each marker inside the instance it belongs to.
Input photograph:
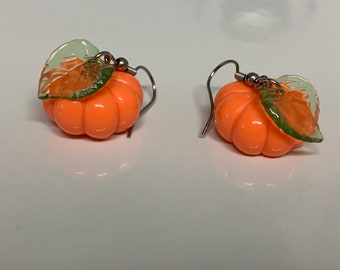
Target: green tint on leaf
(294, 107)
(70, 72)
(103, 76)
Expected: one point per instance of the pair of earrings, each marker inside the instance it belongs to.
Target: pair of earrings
(259, 115)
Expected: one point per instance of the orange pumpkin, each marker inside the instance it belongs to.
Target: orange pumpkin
(85, 91)
(114, 108)
(260, 115)
(241, 119)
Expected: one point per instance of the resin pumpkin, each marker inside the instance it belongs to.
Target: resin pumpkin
(85, 91)
(112, 109)
(241, 119)
(268, 121)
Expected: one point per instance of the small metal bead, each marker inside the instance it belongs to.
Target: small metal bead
(239, 76)
(250, 78)
(122, 64)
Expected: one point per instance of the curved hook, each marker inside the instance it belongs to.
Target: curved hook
(154, 89)
(153, 98)
(211, 116)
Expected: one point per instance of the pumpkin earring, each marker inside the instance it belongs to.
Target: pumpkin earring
(260, 115)
(85, 91)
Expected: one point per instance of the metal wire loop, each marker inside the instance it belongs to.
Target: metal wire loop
(262, 81)
(107, 57)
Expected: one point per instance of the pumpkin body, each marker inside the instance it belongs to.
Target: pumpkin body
(241, 119)
(114, 108)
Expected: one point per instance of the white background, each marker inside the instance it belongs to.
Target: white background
(167, 199)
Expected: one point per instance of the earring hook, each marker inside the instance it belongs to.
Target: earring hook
(153, 97)
(212, 74)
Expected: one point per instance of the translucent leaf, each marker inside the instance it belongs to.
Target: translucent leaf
(69, 72)
(294, 107)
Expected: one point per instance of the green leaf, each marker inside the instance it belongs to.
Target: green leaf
(294, 107)
(69, 73)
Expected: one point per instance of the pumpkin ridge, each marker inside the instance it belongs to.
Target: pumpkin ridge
(239, 114)
(123, 77)
(114, 97)
(226, 93)
(268, 123)
(83, 112)
(265, 145)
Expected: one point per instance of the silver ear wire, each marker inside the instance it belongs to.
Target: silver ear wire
(212, 74)
(153, 97)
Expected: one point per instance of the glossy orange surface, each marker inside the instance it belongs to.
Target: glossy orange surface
(112, 109)
(241, 119)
